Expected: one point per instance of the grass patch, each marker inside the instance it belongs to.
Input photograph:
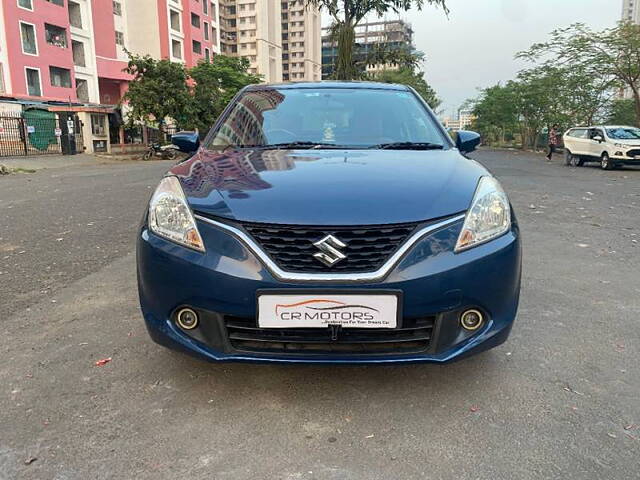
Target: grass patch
(7, 170)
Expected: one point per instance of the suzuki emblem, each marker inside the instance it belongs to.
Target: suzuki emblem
(330, 253)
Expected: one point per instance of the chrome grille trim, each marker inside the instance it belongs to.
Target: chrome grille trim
(283, 275)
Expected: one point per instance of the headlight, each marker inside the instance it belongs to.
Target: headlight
(620, 145)
(170, 216)
(489, 215)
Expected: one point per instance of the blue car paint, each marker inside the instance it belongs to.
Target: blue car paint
(332, 187)
(379, 187)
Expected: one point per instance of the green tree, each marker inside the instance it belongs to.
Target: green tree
(214, 85)
(347, 14)
(621, 112)
(406, 76)
(158, 91)
(383, 55)
(193, 98)
(496, 113)
(611, 55)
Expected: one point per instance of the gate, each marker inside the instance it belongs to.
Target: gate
(39, 132)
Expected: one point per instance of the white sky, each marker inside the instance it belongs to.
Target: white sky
(474, 47)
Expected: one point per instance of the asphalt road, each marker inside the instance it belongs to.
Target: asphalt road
(561, 399)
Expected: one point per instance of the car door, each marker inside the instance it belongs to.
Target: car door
(596, 148)
(577, 142)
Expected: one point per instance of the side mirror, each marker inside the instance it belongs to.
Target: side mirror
(598, 138)
(467, 141)
(187, 142)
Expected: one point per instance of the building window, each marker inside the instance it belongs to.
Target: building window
(117, 8)
(34, 88)
(78, 53)
(27, 4)
(75, 15)
(175, 20)
(214, 35)
(119, 38)
(82, 90)
(195, 20)
(56, 36)
(207, 55)
(57, 2)
(28, 36)
(205, 7)
(206, 31)
(98, 124)
(176, 48)
(197, 47)
(60, 77)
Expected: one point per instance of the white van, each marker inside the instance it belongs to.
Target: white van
(610, 146)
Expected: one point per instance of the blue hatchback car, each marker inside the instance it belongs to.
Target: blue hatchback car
(329, 223)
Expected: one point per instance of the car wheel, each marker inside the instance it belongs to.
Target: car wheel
(568, 158)
(605, 162)
(576, 161)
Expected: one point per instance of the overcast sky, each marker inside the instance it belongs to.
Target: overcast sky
(474, 47)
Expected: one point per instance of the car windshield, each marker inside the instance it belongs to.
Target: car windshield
(328, 117)
(624, 133)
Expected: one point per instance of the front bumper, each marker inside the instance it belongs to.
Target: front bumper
(435, 283)
(623, 158)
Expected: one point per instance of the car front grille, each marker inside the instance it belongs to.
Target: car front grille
(367, 248)
(414, 337)
(633, 153)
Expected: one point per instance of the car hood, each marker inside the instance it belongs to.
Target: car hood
(329, 187)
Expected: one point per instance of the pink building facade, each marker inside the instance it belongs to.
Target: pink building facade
(74, 50)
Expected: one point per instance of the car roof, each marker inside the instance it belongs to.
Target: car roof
(329, 84)
(602, 126)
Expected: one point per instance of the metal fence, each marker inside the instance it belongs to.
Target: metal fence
(33, 133)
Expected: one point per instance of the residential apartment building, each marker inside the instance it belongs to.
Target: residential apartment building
(462, 121)
(301, 42)
(631, 11)
(391, 34)
(70, 54)
(281, 39)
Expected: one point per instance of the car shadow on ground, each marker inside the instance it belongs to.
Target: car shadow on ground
(311, 383)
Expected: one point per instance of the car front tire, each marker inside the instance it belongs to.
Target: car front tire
(605, 162)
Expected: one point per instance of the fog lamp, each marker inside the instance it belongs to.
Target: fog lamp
(187, 319)
(471, 320)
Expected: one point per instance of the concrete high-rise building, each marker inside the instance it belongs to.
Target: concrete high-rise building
(281, 39)
(386, 34)
(631, 11)
(301, 42)
(252, 29)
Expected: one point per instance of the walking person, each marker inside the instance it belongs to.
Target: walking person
(553, 141)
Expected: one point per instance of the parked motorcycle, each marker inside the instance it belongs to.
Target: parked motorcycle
(166, 152)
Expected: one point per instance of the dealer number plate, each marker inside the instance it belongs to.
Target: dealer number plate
(322, 310)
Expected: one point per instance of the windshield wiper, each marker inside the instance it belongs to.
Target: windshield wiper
(407, 146)
(295, 145)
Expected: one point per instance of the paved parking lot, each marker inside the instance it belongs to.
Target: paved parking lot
(561, 399)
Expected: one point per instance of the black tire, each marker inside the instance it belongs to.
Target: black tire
(568, 157)
(171, 154)
(577, 161)
(605, 162)
(147, 155)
